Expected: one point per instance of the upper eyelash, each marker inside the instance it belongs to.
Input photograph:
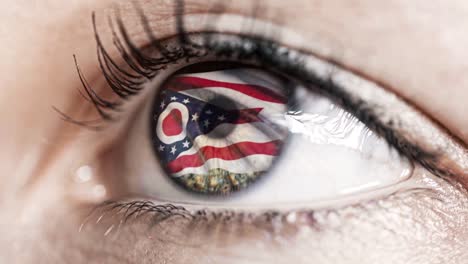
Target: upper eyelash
(266, 52)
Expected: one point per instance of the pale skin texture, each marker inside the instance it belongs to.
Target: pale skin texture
(416, 49)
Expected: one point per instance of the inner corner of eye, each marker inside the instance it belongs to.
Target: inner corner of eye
(219, 127)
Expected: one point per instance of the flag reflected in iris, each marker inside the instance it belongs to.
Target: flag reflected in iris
(217, 132)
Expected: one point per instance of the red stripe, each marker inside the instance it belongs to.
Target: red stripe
(232, 152)
(256, 91)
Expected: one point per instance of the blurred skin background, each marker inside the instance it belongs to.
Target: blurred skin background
(415, 49)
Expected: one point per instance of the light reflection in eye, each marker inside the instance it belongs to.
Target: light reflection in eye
(219, 131)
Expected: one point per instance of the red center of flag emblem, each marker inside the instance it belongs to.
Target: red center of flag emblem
(172, 124)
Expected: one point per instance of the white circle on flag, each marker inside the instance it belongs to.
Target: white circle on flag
(169, 139)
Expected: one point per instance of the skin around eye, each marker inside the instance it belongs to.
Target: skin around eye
(264, 138)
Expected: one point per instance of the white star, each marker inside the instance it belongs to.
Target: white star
(173, 150)
(173, 98)
(161, 148)
(221, 118)
(186, 101)
(208, 112)
(206, 123)
(195, 117)
(186, 144)
(162, 105)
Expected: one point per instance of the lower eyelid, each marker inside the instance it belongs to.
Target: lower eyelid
(139, 221)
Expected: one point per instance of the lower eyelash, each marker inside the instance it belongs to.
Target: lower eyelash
(162, 212)
(226, 220)
(172, 222)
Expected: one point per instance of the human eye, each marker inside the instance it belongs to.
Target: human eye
(210, 121)
(242, 134)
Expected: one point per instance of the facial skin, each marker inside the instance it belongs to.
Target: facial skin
(414, 49)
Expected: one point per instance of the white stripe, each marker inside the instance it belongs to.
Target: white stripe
(239, 100)
(253, 132)
(252, 163)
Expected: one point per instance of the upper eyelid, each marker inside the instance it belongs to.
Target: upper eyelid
(445, 158)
